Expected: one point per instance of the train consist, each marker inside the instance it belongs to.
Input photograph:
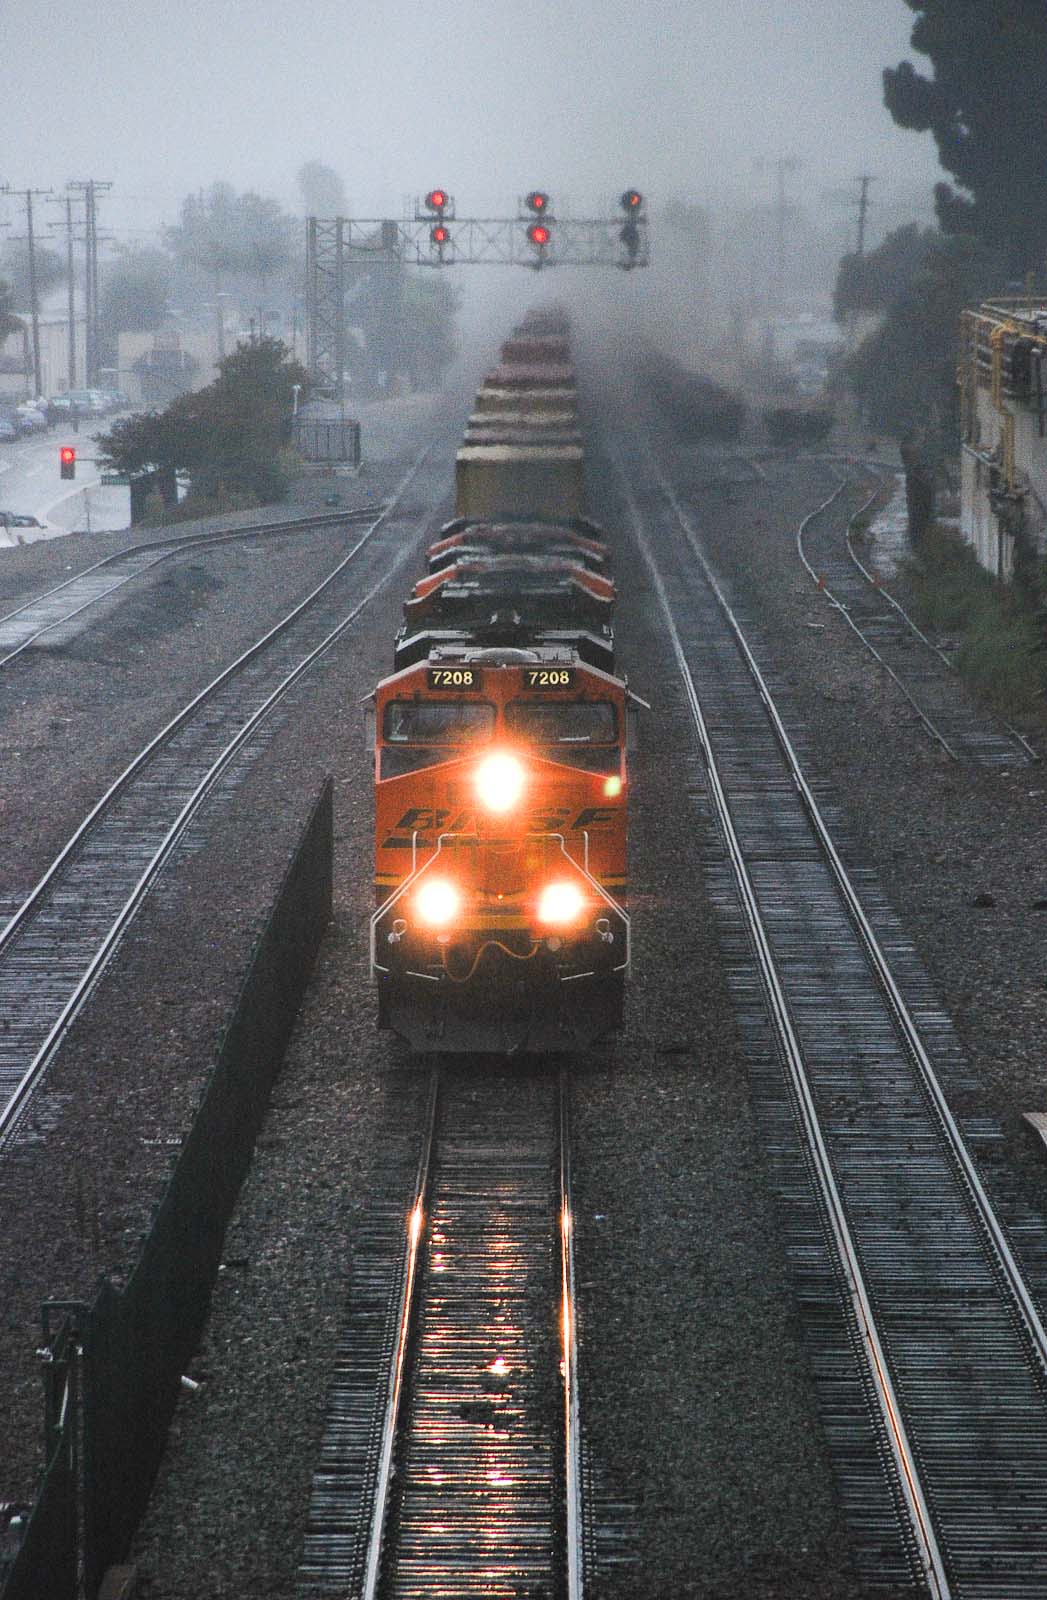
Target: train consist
(501, 744)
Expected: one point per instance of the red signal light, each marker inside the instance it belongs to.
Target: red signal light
(437, 199)
(440, 234)
(539, 234)
(67, 461)
(537, 201)
(631, 200)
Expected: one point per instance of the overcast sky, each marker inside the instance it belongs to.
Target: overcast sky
(693, 98)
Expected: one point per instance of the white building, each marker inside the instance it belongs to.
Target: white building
(16, 358)
(1003, 385)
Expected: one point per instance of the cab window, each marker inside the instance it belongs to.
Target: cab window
(451, 722)
(580, 722)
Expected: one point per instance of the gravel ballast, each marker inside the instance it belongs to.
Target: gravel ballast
(698, 1405)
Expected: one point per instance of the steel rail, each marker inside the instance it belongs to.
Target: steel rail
(165, 549)
(11, 1113)
(885, 594)
(398, 1365)
(993, 1233)
(571, 1406)
(860, 1301)
(934, 732)
(384, 1552)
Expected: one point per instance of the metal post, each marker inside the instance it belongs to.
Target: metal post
(339, 309)
(71, 291)
(34, 303)
(864, 181)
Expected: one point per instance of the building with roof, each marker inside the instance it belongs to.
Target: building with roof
(1003, 393)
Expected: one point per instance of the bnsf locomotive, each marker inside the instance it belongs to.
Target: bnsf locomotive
(501, 776)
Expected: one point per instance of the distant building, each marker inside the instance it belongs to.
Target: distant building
(1003, 392)
(155, 368)
(16, 358)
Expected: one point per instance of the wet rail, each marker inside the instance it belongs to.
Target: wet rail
(923, 673)
(58, 942)
(927, 1345)
(24, 626)
(450, 1458)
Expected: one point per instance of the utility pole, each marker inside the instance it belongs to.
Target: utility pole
(67, 201)
(863, 180)
(90, 189)
(34, 299)
(783, 165)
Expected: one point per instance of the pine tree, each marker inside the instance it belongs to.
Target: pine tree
(984, 104)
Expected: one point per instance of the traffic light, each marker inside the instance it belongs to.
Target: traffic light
(537, 202)
(67, 461)
(440, 234)
(539, 234)
(630, 237)
(437, 200)
(631, 200)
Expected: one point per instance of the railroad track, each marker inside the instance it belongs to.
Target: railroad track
(927, 1344)
(923, 672)
(450, 1457)
(49, 611)
(57, 944)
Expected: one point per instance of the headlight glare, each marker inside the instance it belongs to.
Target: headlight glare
(437, 902)
(500, 781)
(560, 904)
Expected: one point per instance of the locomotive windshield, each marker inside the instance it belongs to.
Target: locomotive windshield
(562, 721)
(437, 722)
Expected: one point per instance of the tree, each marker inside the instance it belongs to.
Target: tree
(428, 332)
(50, 269)
(904, 373)
(9, 323)
(135, 291)
(872, 282)
(322, 192)
(228, 235)
(227, 437)
(984, 105)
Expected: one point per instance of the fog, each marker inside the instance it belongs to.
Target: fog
(693, 101)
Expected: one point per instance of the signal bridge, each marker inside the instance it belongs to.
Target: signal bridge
(342, 253)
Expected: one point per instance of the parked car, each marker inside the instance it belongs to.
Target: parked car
(18, 519)
(7, 429)
(29, 419)
(89, 402)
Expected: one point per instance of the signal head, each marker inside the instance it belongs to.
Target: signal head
(437, 199)
(539, 234)
(66, 461)
(440, 234)
(631, 200)
(537, 201)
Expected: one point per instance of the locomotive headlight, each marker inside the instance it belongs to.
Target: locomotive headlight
(560, 904)
(500, 782)
(437, 902)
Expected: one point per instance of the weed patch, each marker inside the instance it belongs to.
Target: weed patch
(995, 625)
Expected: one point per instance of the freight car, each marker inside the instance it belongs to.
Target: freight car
(501, 744)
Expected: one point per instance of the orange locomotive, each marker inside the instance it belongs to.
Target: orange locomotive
(500, 850)
(501, 744)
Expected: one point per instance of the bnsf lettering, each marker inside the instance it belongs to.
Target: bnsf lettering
(548, 677)
(593, 817)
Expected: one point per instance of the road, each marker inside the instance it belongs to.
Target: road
(30, 482)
